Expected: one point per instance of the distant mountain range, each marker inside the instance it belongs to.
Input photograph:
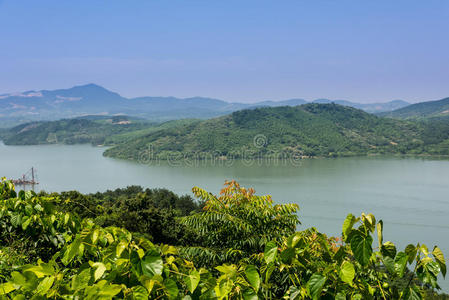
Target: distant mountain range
(429, 109)
(93, 99)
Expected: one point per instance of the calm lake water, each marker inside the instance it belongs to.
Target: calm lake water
(411, 195)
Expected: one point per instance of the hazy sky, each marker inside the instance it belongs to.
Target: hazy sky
(239, 50)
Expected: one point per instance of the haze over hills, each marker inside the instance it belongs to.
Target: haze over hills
(93, 99)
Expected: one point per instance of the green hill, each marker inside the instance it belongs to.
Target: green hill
(427, 109)
(93, 130)
(107, 130)
(308, 130)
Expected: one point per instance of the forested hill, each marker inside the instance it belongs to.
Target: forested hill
(308, 130)
(438, 108)
(93, 129)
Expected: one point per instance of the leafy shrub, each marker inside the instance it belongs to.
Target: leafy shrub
(95, 262)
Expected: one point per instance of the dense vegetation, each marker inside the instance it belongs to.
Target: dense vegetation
(96, 130)
(307, 130)
(70, 131)
(243, 246)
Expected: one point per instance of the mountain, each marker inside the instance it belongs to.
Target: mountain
(93, 99)
(438, 108)
(306, 130)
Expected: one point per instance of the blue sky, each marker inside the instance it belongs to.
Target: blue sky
(241, 50)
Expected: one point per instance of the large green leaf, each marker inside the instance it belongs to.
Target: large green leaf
(6, 288)
(99, 271)
(192, 280)
(250, 294)
(270, 252)
(71, 251)
(361, 247)
(411, 251)
(388, 249)
(171, 288)
(45, 285)
(439, 257)
(152, 263)
(315, 285)
(253, 276)
(139, 293)
(347, 225)
(347, 272)
(81, 280)
(400, 262)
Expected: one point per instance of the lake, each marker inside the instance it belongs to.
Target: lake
(411, 195)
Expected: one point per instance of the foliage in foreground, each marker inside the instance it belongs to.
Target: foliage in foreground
(88, 261)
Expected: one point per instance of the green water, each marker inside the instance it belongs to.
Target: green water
(411, 195)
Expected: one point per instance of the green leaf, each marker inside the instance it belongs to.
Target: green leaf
(71, 251)
(6, 288)
(439, 257)
(295, 293)
(171, 289)
(253, 277)
(388, 263)
(110, 290)
(388, 249)
(361, 247)
(270, 252)
(340, 296)
(139, 293)
(40, 270)
(152, 263)
(315, 285)
(347, 272)
(293, 240)
(99, 271)
(411, 251)
(45, 285)
(347, 225)
(120, 247)
(380, 226)
(81, 280)
(287, 255)
(223, 288)
(26, 223)
(192, 280)
(412, 293)
(250, 294)
(400, 262)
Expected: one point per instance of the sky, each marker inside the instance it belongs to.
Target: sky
(247, 51)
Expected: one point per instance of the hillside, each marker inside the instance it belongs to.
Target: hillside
(438, 108)
(94, 130)
(46, 105)
(309, 130)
